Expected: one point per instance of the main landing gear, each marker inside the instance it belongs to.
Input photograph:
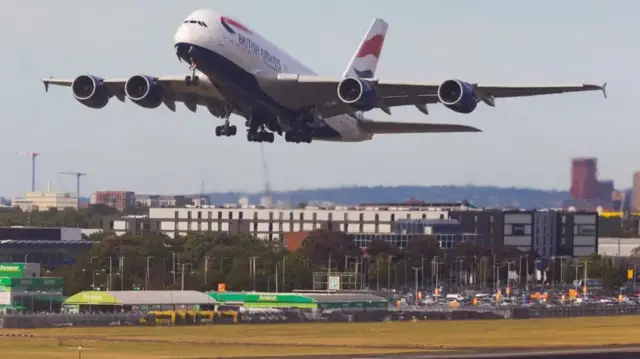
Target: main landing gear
(261, 136)
(226, 129)
(298, 137)
(192, 80)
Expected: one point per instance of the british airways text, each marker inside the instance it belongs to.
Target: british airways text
(253, 49)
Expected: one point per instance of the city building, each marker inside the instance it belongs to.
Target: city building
(587, 192)
(617, 247)
(548, 233)
(22, 288)
(44, 201)
(119, 200)
(635, 192)
(48, 247)
(584, 178)
(156, 200)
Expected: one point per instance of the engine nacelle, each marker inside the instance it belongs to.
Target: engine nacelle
(458, 96)
(90, 91)
(359, 94)
(144, 91)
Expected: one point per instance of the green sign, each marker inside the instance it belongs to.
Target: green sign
(264, 299)
(13, 270)
(30, 284)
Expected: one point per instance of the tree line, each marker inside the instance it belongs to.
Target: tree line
(200, 261)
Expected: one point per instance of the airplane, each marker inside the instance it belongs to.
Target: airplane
(234, 70)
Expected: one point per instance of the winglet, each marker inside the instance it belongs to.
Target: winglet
(46, 84)
(604, 89)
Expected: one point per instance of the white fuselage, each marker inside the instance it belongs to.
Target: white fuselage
(237, 54)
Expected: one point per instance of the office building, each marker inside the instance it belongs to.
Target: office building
(635, 192)
(584, 179)
(548, 233)
(49, 247)
(44, 201)
(119, 200)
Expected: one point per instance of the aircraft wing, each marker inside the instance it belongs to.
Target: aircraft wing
(306, 91)
(204, 94)
(381, 127)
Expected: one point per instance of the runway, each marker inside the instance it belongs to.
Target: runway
(585, 353)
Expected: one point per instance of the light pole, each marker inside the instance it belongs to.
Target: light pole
(460, 262)
(422, 271)
(206, 269)
(173, 268)
(146, 277)
(252, 266)
(389, 258)
(182, 275)
(110, 272)
(276, 275)
(284, 260)
(415, 274)
(584, 287)
(121, 272)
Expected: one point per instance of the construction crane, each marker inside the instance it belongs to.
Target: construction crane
(78, 175)
(265, 173)
(33, 156)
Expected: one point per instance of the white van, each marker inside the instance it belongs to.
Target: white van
(457, 297)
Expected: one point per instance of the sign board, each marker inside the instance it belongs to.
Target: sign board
(629, 274)
(12, 270)
(222, 287)
(334, 283)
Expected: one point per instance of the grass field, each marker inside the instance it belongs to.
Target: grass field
(316, 338)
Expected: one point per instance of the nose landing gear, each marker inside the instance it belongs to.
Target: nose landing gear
(192, 80)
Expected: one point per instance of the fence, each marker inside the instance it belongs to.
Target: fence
(336, 315)
(46, 320)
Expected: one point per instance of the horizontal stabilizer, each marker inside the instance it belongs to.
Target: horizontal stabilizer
(376, 127)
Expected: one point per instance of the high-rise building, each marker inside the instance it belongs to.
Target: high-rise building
(635, 192)
(116, 199)
(605, 190)
(584, 179)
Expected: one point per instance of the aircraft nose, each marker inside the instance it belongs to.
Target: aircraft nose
(183, 35)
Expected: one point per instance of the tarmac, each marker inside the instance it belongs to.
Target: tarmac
(584, 353)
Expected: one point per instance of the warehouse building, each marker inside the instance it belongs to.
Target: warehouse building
(49, 247)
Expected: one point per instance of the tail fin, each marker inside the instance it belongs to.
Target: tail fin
(365, 60)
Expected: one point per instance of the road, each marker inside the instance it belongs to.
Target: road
(593, 353)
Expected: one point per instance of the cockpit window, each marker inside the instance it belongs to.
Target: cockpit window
(201, 23)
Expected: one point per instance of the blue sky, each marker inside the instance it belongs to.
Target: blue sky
(526, 142)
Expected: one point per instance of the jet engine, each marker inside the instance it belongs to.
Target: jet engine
(90, 91)
(458, 96)
(144, 91)
(359, 94)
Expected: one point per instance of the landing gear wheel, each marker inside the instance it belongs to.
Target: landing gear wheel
(187, 80)
(232, 130)
(195, 80)
(218, 131)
